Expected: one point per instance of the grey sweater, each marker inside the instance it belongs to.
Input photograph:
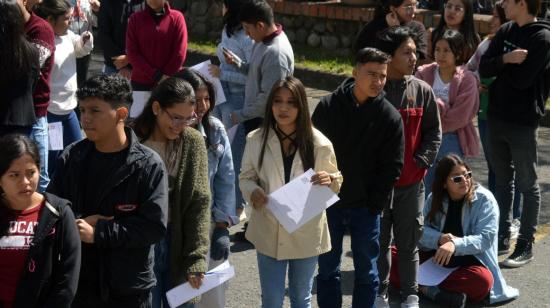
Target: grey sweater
(270, 62)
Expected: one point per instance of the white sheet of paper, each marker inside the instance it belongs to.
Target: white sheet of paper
(232, 132)
(432, 274)
(203, 69)
(140, 99)
(55, 134)
(299, 201)
(184, 292)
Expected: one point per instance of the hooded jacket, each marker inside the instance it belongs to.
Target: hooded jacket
(51, 274)
(519, 92)
(368, 141)
(415, 101)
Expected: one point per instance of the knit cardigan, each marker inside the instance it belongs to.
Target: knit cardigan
(189, 220)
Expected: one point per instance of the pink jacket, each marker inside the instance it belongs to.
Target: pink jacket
(462, 108)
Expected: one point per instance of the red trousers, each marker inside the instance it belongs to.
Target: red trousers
(475, 281)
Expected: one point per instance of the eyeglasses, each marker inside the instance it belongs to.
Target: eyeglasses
(411, 7)
(453, 7)
(177, 121)
(458, 178)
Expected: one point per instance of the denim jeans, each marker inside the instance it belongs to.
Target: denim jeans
(109, 70)
(449, 145)
(482, 126)
(234, 95)
(514, 155)
(364, 229)
(162, 274)
(71, 133)
(39, 134)
(272, 281)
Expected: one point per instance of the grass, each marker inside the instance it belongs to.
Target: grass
(304, 57)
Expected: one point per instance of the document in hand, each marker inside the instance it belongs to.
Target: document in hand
(432, 274)
(203, 69)
(299, 201)
(184, 292)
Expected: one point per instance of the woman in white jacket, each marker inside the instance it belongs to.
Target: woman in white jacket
(63, 85)
(283, 148)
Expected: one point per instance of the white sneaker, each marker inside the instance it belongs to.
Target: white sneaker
(411, 302)
(381, 302)
(514, 228)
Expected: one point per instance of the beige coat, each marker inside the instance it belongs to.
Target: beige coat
(264, 231)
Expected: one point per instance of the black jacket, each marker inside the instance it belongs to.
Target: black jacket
(136, 194)
(519, 93)
(369, 143)
(50, 276)
(113, 21)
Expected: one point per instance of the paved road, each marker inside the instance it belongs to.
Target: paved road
(533, 280)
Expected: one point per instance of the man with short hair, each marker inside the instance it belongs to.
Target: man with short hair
(119, 193)
(367, 134)
(415, 101)
(272, 59)
(519, 57)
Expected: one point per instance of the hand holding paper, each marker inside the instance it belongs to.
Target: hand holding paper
(203, 69)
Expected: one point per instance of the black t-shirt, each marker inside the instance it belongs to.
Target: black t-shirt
(453, 225)
(99, 168)
(287, 162)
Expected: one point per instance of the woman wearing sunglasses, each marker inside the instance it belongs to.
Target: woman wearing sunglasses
(164, 127)
(460, 230)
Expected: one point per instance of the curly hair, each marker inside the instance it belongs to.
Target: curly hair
(113, 89)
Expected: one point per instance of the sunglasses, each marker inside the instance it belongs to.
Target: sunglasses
(458, 178)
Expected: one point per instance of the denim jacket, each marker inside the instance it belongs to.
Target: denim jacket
(480, 226)
(221, 174)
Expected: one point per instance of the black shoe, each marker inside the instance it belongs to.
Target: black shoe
(503, 244)
(450, 299)
(523, 254)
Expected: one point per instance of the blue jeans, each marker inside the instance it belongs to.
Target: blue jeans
(482, 126)
(234, 95)
(162, 274)
(514, 157)
(71, 133)
(364, 229)
(449, 145)
(39, 134)
(109, 70)
(272, 281)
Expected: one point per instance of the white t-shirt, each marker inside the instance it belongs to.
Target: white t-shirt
(441, 89)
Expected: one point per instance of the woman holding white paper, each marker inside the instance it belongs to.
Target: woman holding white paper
(460, 230)
(284, 148)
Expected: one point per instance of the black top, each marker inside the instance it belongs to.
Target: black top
(453, 225)
(287, 162)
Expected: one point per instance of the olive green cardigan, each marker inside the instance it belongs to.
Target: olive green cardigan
(190, 210)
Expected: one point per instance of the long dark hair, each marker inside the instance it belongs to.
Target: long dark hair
(53, 8)
(17, 55)
(231, 17)
(439, 192)
(456, 44)
(500, 12)
(197, 81)
(304, 128)
(383, 7)
(13, 146)
(467, 29)
(169, 92)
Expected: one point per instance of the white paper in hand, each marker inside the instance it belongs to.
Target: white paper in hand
(184, 292)
(140, 99)
(55, 136)
(432, 274)
(203, 69)
(299, 201)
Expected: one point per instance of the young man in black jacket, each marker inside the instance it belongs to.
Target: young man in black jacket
(118, 189)
(367, 134)
(519, 58)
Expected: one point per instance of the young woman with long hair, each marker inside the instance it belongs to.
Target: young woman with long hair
(456, 15)
(164, 126)
(20, 69)
(457, 97)
(39, 242)
(460, 230)
(285, 146)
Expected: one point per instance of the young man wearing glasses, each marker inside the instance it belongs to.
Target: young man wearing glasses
(119, 193)
(519, 58)
(367, 134)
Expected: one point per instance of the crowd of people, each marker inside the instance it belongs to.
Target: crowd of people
(118, 210)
